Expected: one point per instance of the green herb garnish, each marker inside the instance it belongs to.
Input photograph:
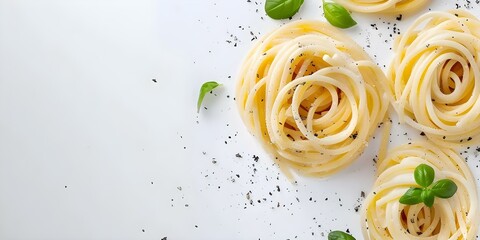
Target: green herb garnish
(424, 176)
(444, 188)
(206, 87)
(339, 235)
(412, 196)
(337, 15)
(281, 9)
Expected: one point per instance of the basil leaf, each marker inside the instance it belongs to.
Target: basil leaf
(339, 235)
(281, 9)
(412, 196)
(206, 87)
(444, 188)
(424, 175)
(428, 197)
(337, 15)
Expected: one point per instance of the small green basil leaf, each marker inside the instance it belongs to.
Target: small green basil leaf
(339, 235)
(412, 196)
(444, 188)
(424, 175)
(281, 9)
(428, 197)
(337, 15)
(206, 87)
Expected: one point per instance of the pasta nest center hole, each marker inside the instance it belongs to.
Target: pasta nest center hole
(420, 220)
(324, 107)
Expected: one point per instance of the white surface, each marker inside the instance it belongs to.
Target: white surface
(92, 148)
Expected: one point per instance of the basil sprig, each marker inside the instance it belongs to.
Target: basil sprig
(424, 176)
(337, 15)
(206, 87)
(444, 188)
(339, 235)
(281, 9)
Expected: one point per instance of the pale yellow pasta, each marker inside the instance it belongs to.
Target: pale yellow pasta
(384, 217)
(434, 78)
(312, 96)
(370, 6)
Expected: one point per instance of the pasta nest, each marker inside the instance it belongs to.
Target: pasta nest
(371, 6)
(434, 78)
(312, 96)
(384, 217)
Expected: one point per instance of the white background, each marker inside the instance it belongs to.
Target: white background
(92, 148)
